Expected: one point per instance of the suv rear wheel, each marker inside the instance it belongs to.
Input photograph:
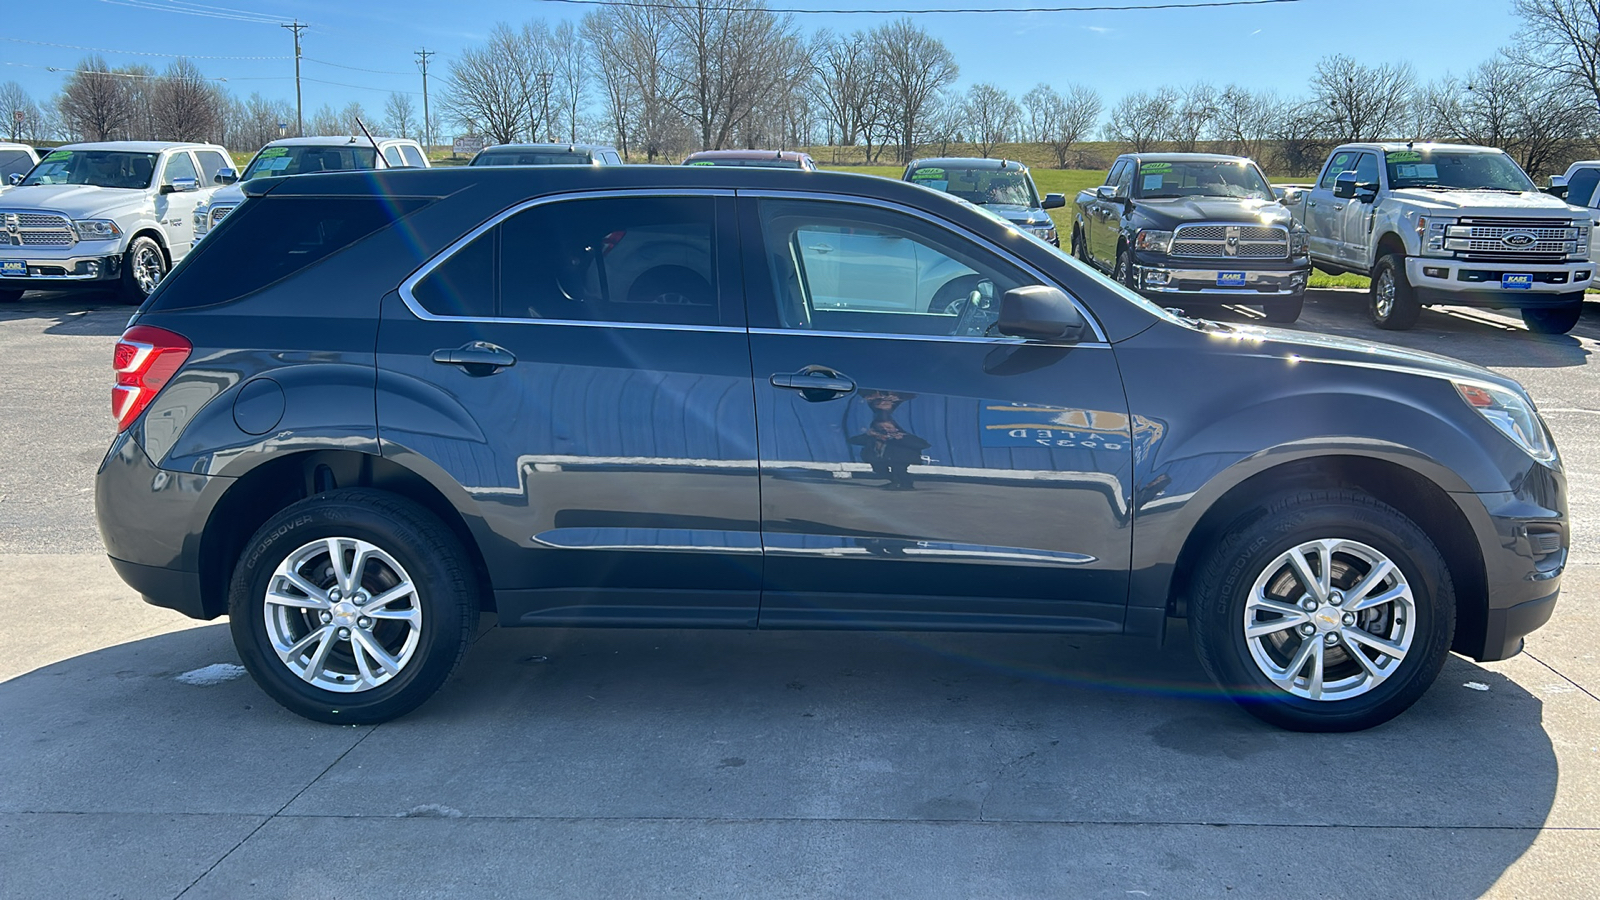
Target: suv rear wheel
(352, 606)
(1326, 611)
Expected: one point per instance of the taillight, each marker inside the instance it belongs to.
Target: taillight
(145, 360)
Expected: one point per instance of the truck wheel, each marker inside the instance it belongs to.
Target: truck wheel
(143, 267)
(1283, 312)
(1394, 302)
(1554, 319)
(352, 606)
(1079, 249)
(1325, 611)
(1123, 274)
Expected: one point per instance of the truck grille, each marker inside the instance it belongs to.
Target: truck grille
(1231, 241)
(217, 214)
(1478, 238)
(33, 229)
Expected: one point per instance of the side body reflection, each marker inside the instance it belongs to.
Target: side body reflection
(889, 449)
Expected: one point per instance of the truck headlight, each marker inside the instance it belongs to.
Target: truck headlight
(1153, 241)
(1512, 415)
(96, 229)
(199, 218)
(1046, 233)
(1299, 243)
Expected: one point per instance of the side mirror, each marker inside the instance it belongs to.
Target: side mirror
(1287, 196)
(1106, 192)
(16, 178)
(226, 176)
(1054, 201)
(181, 186)
(1344, 185)
(1366, 193)
(1042, 313)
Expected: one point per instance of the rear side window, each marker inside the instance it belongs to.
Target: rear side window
(391, 155)
(211, 162)
(268, 239)
(641, 260)
(1580, 188)
(14, 162)
(413, 156)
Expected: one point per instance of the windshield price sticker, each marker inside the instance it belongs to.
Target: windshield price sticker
(928, 175)
(1153, 182)
(58, 155)
(1418, 170)
(1516, 282)
(1404, 156)
(1149, 168)
(701, 162)
(274, 152)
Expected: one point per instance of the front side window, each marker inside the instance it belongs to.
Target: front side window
(100, 168)
(1116, 171)
(391, 155)
(1367, 169)
(842, 267)
(179, 165)
(1124, 182)
(1343, 161)
(1233, 179)
(645, 260)
(13, 162)
(1580, 187)
(211, 162)
(1455, 170)
(302, 160)
(413, 156)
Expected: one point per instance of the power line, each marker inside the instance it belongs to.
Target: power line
(136, 52)
(323, 62)
(204, 12)
(924, 11)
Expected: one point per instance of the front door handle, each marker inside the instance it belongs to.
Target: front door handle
(476, 358)
(815, 383)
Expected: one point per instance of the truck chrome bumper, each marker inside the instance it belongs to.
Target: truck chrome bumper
(74, 268)
(1252, 284)
(1472, 283)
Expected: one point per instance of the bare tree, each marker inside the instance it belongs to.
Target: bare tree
(947, 121)
(1534, 114)
(1562, 38)
(400, 115)
(992, 116)
(729, 57)
(1299, 129)
(846, 84)
(496, 85)
(1194, 116)
(630, 46)
(569, 60)
(916, 66)
(1060, 122)
(1142, 119)
(18, 108)
(184, 105)
(96, 102)
(1244, 120)
(1363, 103)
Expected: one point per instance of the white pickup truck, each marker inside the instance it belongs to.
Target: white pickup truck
(15, 161)
(1446, 224)
(113, 215)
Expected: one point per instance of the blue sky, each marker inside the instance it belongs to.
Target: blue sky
(1114, 52)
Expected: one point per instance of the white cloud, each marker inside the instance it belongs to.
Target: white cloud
(1097, 29)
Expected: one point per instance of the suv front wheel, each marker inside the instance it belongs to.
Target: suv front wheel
(1325, 611)
(352, 606)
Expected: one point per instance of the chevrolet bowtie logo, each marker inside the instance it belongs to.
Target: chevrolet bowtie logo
(1231, 245)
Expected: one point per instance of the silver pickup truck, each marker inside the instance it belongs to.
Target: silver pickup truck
(1446, 224)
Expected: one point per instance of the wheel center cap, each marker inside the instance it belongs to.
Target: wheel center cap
(1327, 619)
(345, 613)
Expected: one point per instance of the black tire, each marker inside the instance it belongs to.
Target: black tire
(1251, 551)
(952, 295)
(1123, 273)
(1397, 311)
(1554, 319)
(1079, 248)
(144, 264)
(10, 296)
(445, 597)
(1284, 312)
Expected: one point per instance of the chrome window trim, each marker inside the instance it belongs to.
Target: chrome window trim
(438, 259)
(939, 221)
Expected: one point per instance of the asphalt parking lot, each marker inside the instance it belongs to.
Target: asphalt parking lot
(134, 762)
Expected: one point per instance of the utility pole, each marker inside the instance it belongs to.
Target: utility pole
(427, 123)
(299, 108)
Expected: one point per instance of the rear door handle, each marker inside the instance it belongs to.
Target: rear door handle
(815, 383)
(476, 357)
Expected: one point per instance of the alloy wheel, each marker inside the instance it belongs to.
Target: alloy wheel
(342, 614)
(148, 267)
(1330, 619)
(1383, 295)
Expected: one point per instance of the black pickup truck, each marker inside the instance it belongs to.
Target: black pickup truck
(1194, 230)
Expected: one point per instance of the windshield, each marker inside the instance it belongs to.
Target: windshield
(533, 158)
(1224, 178)
(1455, 170)
(772, 163)
(100, 168)
(980, 186)
(302, 160)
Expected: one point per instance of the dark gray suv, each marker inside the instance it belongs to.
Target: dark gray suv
(371, 406)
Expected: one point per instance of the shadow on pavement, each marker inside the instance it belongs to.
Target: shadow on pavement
(1017, 731)
(93, 314)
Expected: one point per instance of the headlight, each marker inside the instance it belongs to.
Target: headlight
(1045, 233)
(96, 229)
(1512, 415)
(1153, 241)
(199, 219)
(1299, 243)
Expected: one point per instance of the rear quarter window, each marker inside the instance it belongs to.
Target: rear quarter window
(269, 239)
